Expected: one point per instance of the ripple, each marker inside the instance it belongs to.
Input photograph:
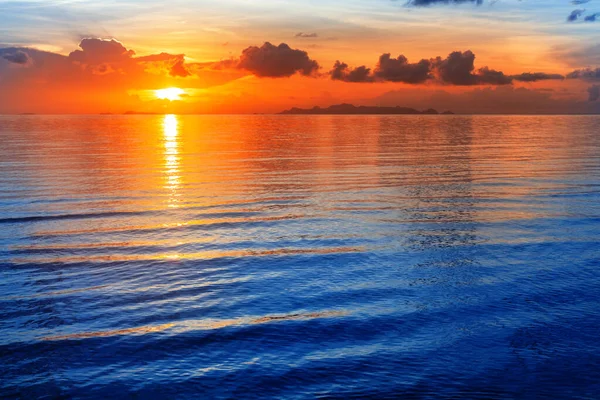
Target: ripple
(44, 218)
(129, 331)
(203, 255)
(198, 324)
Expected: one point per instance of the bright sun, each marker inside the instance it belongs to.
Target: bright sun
(170, 94)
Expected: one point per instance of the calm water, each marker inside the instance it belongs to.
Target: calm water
(299, 257)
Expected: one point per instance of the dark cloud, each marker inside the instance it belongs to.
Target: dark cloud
(574, 16)
(276, 61)
(536, 76)
(588, 74)
(306, 35)
(400, 70)
(18, 57)
(424, 3)
(591, 17)
(341, 72)
(33, 54)
(458, 67)
(594, 93)
(489, 76)
(98, 51)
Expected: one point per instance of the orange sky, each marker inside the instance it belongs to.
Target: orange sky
(464, 57)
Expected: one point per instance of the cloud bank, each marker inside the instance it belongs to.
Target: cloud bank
(458, 69)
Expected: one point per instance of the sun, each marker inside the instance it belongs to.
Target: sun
(170, 94)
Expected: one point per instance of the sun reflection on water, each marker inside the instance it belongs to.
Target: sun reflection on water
(172, 167)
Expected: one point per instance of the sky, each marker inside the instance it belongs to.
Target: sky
(242, 56)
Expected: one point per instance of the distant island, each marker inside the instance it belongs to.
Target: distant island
(352, 109)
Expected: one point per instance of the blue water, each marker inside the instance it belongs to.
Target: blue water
(300, 257)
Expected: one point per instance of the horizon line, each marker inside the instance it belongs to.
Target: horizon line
(27, 114)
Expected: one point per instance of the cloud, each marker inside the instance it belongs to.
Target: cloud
(489, 76)
(97, 51)
(341, 72)
(400, 70)
(178, 69)
(575, 14)
(277, 61)
(174, 63)
(105, 56)
(458, 67)
(98, 57)
(424, 3)
(594, 93)
(109, 56)
(536, 76)
(18, 57)
(306, 35)
(588, 74)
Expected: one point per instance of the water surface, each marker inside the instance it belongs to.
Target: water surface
(299, 257)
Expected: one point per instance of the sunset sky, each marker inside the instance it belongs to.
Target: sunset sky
(240, 56)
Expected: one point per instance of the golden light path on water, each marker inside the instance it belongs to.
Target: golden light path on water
(172, 166)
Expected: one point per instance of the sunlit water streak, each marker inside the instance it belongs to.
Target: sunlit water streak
(172, 173)
(299, 257)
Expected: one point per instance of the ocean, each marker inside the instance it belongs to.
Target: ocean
(300, 257)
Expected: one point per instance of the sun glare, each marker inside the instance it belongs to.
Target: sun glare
(170, 94)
